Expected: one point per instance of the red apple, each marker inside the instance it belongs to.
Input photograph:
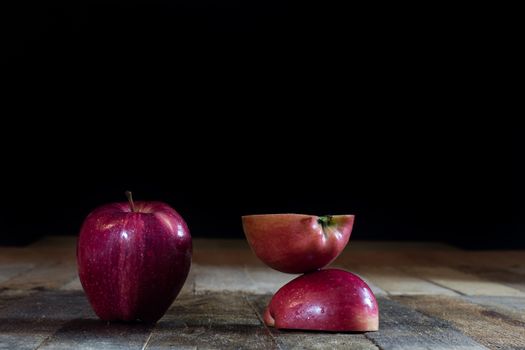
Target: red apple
(133, 259)
(324, 300)
(296, 243)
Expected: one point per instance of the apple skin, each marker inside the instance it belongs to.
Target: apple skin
(296, 243)
(132, 265)
(325, 300)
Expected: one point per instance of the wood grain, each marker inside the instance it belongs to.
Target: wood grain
(506, 259)
(403, 328)
(10, 296)
(221, 279)
(73, 284)
(508, 277)
(492, 329)
(10, 270)
(463, 283)
(43, 276)
(212, 321)
(29, 321)
(397, 282)
(92, 333)
(511, 306)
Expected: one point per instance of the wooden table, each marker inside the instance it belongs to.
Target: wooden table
(431, 296)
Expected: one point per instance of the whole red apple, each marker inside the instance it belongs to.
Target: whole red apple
(133, 259)
(296, 243)
(324, 300)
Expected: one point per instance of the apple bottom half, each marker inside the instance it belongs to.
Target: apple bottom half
(133, 274)
(325, 300)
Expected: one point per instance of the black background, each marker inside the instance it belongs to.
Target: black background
(229, 108)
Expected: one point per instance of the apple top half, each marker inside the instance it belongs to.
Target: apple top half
(297, 243)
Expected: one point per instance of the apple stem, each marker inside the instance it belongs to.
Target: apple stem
(129, 196)
(325, 220)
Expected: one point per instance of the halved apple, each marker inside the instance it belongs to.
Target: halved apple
(326, 300)
(296, 243)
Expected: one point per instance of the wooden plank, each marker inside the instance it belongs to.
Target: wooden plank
(10, 270)
(242, 244)
(265, 280)
(64, 320)
(247, 279)
(74, 284)
(492, 312)
(463, 283)
(503, 259)
(26, 323)
(401, 327)
(210, 337)
(224, 252)
(225, 257)
(492, 329)
(497, 275)
(517, 268)
(11, 255)
(238, 336)
(310, 340)
(92, 333)
(211, 308)
(513, 306)
(397, 282)
(216, 320)
(238, 279)
(499, 258)
(64, 242)
(397, 246)
(351, 259)
(216, 279)
(45, 276)
(322, 340)
(221, 244)
(235, 252)
(390, 253)
(9, 296)
(49, 249)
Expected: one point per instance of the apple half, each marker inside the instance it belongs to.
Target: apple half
(325, 300)
(296, 243)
